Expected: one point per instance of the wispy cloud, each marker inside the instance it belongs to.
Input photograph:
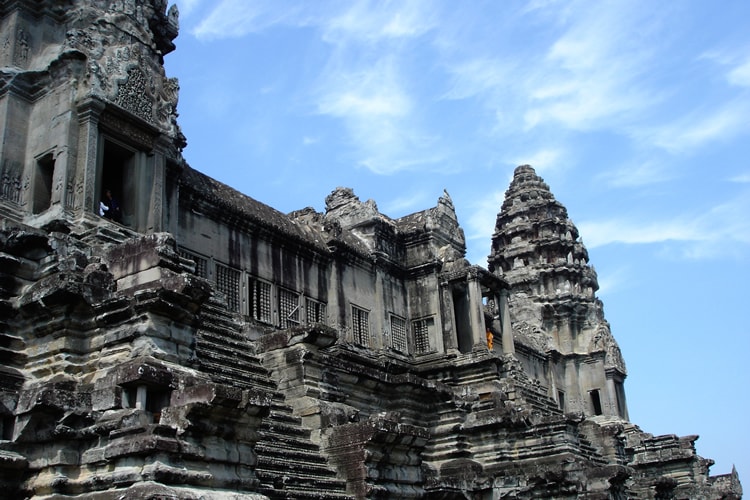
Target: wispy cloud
(544, 161)
(636, 174)
(734, 61)
(701, 127)
(403, 205)
(614, 281)
(236, 18)
(740, 74)
(187, 6)
(723, 230)
(592, 71)
(371, 22)
(481, 224)
(377, 110)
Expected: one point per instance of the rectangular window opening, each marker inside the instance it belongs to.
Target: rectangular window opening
(422, 329)
(289, 313)
(228, 283)
(596, 402)
(561, 400)
(260, 301)
(361, 326)
(398, 334)
(201, 264)
(42, 199)
(315, 311)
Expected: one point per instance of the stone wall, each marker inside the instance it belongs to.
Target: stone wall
(205, 345)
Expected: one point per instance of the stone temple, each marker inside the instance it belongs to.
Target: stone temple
(198, 344)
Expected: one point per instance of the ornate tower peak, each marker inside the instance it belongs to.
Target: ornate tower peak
(536, 248)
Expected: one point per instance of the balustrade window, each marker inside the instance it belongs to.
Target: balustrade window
(288, 308)
(228, 283)
(422, 329)
(316, 311)
(398, 333)
(361, 326)
(201, 264)
(260, 300)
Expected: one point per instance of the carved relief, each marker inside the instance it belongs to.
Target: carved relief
(22, 48)
(603, 340)
(126, 129)
(169, 94)
(133, 95)
(11, 182)
(531, 336)
(6, 47)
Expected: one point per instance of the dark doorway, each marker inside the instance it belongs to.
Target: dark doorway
(463, 320)
(42, 198)
(119, 177)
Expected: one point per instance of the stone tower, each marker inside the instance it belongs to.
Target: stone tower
(86, 107)
(203, 345)
(537, 250)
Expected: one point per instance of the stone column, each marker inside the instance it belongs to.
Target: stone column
(611, 398)
(476, 311)
(448, 317)
(156, 221)
(509, 346)
(86, 197)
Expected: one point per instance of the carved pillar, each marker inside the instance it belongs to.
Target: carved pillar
(611, 398)
(155, 220)
(380, 322)
(478, 328)
(448, 316)
(336, 317)
(509, 346)
(89, 112)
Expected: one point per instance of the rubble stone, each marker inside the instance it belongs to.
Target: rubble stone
(205, 345)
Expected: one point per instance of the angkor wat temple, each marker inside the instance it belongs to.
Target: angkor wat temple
(203, 345)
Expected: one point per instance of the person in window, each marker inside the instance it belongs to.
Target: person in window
(109, 208)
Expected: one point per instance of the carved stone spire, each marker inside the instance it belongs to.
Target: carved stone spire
(537, 250)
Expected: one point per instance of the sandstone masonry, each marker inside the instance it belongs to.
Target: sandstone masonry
(192, 342)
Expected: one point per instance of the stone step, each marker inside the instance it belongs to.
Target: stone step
(310, 488)
(231, 350)
(271, 451)
(233, 376)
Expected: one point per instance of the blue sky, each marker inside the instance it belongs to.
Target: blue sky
(636, 113)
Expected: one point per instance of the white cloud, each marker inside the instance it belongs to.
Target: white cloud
(371, 22)
(613, 281)
(413, 201)
(478, 76)
(236, 18)
(740, 74)
(723, 230)
(736, 59)
(590, 77)
(741, 178)
(481, 224)
(378, 115)
(600, 233)
(544, 161)
(636, 174)
(702, 127)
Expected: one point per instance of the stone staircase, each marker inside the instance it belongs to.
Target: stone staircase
(225, 353)
(289, 464)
